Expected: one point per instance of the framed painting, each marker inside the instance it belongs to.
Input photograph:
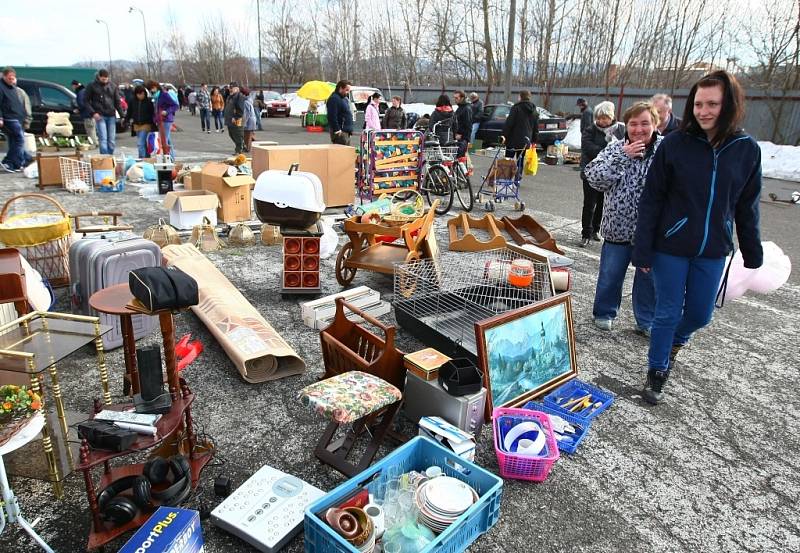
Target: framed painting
(527, 352)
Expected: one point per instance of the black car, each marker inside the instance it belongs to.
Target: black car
(551, 127)
(45, 97)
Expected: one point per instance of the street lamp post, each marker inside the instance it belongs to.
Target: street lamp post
(108, 38)
(146, 47)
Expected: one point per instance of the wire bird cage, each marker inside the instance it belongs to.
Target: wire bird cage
(440, 153)
(76, 175)
(440, 300)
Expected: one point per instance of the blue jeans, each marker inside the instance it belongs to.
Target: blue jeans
(107, 133)
(168, 139)
(686, 289)
(218, 121)
(205, 119)
(474, 132)
(16, 157)
(614, 261)
(141, 143)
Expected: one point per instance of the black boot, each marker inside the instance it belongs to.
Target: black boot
(654, 385)
(673, 354)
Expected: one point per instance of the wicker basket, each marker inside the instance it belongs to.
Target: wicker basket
(10, 429)
(407, 206)
(43, 238)
(204, 237)
(162, 234)
(241, 235)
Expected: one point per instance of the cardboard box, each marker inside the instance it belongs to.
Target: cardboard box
(334, 164)
(235, 197)
(460, 442)
(169, 530)
(187, 208)
(195, 180)
(50, 168)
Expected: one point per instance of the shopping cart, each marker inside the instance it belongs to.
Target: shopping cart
(502, 180)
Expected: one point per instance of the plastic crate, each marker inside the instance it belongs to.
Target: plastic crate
(418, 454)
(566, 447)
(575, 388)
(521, 467)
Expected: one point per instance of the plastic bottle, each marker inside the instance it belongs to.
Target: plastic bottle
(559, 153)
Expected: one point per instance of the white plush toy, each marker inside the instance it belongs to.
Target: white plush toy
(58, 124)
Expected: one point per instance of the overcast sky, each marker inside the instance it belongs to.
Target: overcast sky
(64, 32)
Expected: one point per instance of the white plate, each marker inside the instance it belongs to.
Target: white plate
(449, 495)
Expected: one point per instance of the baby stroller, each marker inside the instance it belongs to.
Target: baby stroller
(502, 180)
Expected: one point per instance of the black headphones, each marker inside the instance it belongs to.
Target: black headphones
(119, 509)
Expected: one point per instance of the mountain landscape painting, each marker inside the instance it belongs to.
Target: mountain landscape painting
(528, 352)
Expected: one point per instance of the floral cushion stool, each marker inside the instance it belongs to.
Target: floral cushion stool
(352, 398)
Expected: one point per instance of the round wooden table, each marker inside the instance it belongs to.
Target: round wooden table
(113, 301)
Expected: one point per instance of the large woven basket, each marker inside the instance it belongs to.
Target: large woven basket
(9, 429)
(43, 237)
(162, 234)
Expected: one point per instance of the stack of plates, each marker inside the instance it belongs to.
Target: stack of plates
(442, 500)
(369, 545)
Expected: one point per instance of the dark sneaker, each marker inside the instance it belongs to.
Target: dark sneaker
(7, 168)
(653, 388)
(596, 237)
(673, 354)
(643, 331)
(585, 242)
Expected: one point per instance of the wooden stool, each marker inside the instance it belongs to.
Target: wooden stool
(352, 398)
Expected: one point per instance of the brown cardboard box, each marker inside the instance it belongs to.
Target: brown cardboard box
(102, 162)
(332, 163)
(195, 180)
(234, 193)
(50, 168)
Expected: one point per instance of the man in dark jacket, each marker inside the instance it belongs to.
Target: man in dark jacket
(102, 99)
(340, 118)
(521, 126)
(234, 117)
(587, 116)
(667, 121)
(477, 114)
(12, 118)
(463, 121)
(84, 110)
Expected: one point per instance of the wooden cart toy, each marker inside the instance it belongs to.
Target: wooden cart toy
(365, 251)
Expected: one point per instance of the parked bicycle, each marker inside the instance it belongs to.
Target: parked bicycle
(444, 173)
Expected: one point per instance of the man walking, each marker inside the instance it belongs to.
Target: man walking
(13, 114)
(587, 117)
(340, 118)
(204, 102)
(477, 115)
(102, 98)
(463, 121)
(84, 111)
(521, 128)
(667, 122)
(234, 117)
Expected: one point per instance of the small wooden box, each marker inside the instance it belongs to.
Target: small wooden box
(425, 363)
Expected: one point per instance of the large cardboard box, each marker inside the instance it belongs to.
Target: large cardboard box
(103, 169)
(195, 180)
(50, 168)
(235, 197)
(334, 164)
(169, 530)
(189, 207)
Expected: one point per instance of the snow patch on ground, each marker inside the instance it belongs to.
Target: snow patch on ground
(780, 162)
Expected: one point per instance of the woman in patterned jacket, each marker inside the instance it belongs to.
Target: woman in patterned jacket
(620, 171)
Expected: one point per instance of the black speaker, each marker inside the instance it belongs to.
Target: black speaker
(104, 435)
(151, 377)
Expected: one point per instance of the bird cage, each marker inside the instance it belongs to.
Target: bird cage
(76, 175)
(440, 300)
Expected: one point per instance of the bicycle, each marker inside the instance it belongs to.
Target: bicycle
(435, 175)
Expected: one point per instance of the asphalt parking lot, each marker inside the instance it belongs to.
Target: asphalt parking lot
(712, 469)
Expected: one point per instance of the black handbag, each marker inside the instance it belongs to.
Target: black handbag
(163, 288)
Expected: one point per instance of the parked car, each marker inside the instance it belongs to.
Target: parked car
(360, 95)
(276, 105)
(46, 96)
(551, 127)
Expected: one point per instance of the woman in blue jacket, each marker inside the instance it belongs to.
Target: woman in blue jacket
(704, 178)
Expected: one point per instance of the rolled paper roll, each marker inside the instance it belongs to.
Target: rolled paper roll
(560, 280)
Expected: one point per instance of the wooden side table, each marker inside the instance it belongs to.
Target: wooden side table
(113, 301)
(12, 280)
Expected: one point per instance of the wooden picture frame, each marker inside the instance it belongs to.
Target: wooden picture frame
(544, 328)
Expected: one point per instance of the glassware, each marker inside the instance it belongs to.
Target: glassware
(391, 547)
(379, 492)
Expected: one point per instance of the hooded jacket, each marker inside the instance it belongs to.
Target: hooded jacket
(103, 98)
(464, 120)
(622, 180)
(165, 101)
(694, 195)
(394, 118)
(80, 98)
(446, 129)
(522, 124)
(141, 112)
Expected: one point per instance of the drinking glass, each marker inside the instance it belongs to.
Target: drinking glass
(391, 547)
(379, 492)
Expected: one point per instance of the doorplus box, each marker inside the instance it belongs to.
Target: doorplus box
(235, 197)
(169, 530)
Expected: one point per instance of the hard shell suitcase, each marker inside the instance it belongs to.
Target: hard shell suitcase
(97, 262)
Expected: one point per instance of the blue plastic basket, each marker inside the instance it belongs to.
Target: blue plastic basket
(566, 447)
(576, 388)
(418, 454)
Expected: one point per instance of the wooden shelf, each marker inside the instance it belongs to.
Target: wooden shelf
(166, 426)
(99, 536)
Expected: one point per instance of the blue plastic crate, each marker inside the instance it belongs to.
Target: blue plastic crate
(577, 388)
(578, 422)
(418, 454)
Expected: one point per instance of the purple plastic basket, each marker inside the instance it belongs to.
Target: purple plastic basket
(521, 467)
